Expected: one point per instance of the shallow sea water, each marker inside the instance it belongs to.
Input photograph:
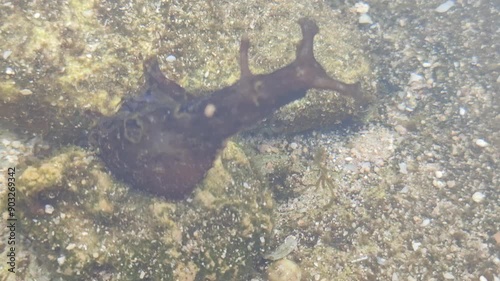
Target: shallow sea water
(408, 190)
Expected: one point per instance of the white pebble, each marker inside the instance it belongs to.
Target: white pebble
(171, 58)
(403, 168)
(481, 143)
(426, 64)
(26, 92)
(448, 276)
(70, 246)
(36, 15)
(443, 8)
(425, 222)
(415, 245)
(478, 197)
(61, 260)
(9, 71)
(482, 278)
(361, 8)
(438, 183)
(439, 174)
(6, 54)
(414, 77)
(365, 19)
(294, 145)
(462, 111)
(49, 209)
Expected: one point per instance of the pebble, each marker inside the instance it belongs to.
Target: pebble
(26, 92)
(438, 183)
(478, 197)
(49, 209)
(294, 145)
(70, 246)
(284, 270)
(15, 144)
(365, 19)
(9, 71)
(448, 276)
(415, 78)
(481, 143)
(171, 58)
(425, 222)
(443, 8)
(400, 129)
(6, 54)
(415, 245)
(361, 8)
(403, 168)
(462, 111)
(61, 260)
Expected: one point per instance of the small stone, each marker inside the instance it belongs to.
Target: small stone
(70, 246)
(403, 168)
(496, 236)
(400, 129)
(16, 144)
(361, 8)
(482, 278)
(443, 8)
(415, 78)
(294, 145)
(415, 245)
(425, 222)
(365, 19)
(478, 197)
(284, 270)
(36, 15)
(451, 184)
(448, 276)
(9, 71)
(49, 209)
(171, 58)
(439, 174)
(6, 54)
(61, 260)
(438, 183)
(26, 92)
(481, 143)
(462, 111)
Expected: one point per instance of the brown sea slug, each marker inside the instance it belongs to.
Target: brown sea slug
(165, 139)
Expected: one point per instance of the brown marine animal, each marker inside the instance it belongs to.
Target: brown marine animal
(165, 139)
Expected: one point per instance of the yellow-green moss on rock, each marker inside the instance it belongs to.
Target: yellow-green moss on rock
(98, 222)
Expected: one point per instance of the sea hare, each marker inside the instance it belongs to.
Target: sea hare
(166, 139)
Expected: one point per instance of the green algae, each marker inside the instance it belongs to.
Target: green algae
(100, 227)
(82, 55)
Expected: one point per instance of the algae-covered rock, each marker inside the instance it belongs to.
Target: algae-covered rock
(70, 60)
(75, 57)
(98, 227)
